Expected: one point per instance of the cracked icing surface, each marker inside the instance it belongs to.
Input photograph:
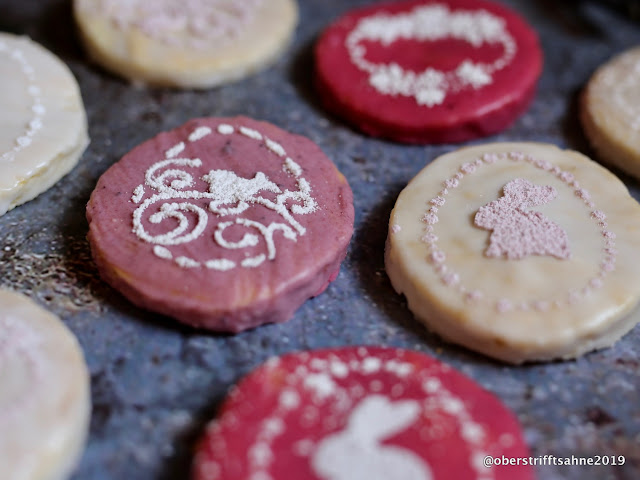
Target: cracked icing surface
(314, 419)
(228, 194)
(44, 125)
(430, 23)
(583, 308)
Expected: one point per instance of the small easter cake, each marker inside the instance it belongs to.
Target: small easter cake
(222, 223)
(520, 251)
(185, 43)
(610, 111)
(360, 413)
(43, 123)
(428, 71)
(45, 401)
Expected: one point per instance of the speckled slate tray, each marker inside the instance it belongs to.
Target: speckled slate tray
(156, 383)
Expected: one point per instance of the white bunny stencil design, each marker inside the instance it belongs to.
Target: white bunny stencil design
(518, 232)
(357, 451)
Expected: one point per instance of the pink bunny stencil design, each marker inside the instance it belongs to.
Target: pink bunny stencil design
(357, 451)
(518, 232)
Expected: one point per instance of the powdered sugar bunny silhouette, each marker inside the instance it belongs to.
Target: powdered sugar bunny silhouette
(357, 452)
(228, 188)
(518, 232)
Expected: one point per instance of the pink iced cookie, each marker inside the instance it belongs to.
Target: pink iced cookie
(359, 413)
(520, 251)
(222, 223)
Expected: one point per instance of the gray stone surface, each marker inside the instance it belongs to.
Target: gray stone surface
(156, 383)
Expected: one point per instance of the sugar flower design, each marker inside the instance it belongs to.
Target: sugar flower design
(430, 23)
(518, 232)
(228, 195)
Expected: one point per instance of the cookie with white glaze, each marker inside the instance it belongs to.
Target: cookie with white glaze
(520, 251)
(45, 401)
(222, 223)
(185, 44)
(44, 126)
(610, 111)
(359, 413)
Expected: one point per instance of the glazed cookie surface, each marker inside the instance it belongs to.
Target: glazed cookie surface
(424, 71)
(359, 413)
(246, 220)
(44, 127)
(188, 44)
(520, 251)
(610, 111)
(44, 393)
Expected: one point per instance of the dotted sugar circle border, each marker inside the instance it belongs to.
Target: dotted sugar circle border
(316, 374)
(449, 277)
(34, 125)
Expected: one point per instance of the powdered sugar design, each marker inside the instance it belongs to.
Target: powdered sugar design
(359, 450)
(228, 195)
(196, 24)
(518, 249)
(519, 232)
(360, 446)
(38, 110)
(431, 23)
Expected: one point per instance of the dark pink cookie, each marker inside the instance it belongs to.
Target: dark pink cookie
(360, 413)
(222, 223)
(429, 71)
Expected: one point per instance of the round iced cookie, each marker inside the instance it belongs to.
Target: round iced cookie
(521, 251)
(359, 413)
(45, 400)
(424, 71)
(222, 223)
(43, 127)
(610, 111)
(185, 43)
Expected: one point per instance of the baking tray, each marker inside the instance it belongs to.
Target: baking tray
(156, 383)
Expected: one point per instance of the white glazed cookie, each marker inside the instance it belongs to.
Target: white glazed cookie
(185, 43)
(44, 393)
(43, 124)
(521, 251)
(610, 111)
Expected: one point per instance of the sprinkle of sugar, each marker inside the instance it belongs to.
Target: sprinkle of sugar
(371, 365)
(395, 228)
(175, 150)
(518, 232)
(292, 167)
(275, 147)
(251, 133)
(196, 24)
(508, 216)
(429, 23)
(321, 384)
(162, 252)
(228, 194)
(199, 133)
(138, 193)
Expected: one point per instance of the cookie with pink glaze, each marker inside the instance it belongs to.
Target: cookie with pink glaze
(360, 413)
(222, 223)
(185, 43)
(520, 251)
(428, 71)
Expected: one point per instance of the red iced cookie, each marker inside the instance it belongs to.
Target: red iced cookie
(222, 223)
(422, 71)
(360, 414)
